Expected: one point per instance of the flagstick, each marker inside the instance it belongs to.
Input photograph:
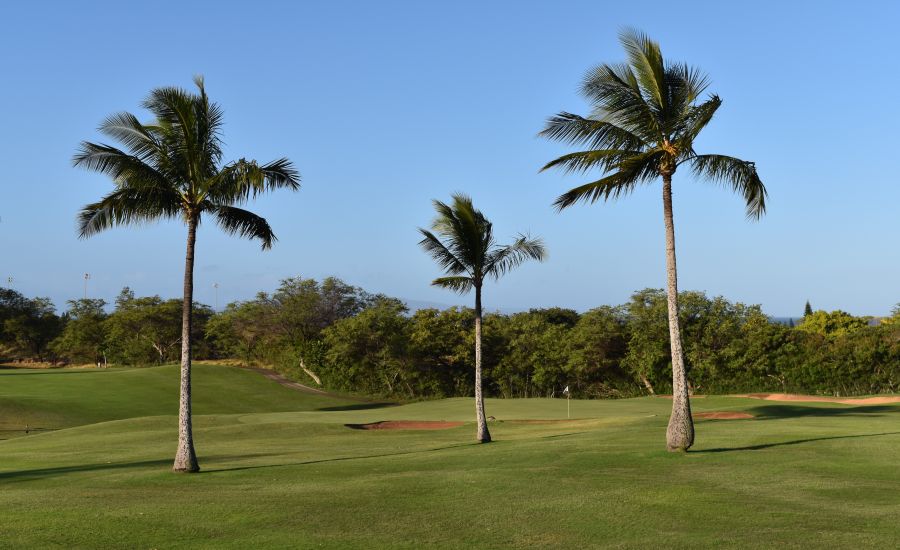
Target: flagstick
(569, 405)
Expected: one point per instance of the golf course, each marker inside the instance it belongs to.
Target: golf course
(281, 467)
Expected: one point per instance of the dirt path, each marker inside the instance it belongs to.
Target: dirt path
(287, 383)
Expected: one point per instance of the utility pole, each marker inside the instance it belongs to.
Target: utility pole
(87, 276)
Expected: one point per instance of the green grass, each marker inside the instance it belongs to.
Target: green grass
(61, 398)
(799, 475)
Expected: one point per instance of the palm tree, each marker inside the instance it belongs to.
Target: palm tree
(464, 247)
(645, 118)
(172, 168)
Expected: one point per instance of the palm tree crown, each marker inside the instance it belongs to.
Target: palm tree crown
(644, 122)
(172, 168)
(462, 243)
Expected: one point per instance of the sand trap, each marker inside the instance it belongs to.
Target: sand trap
(881, 400)
(721, 415)
(406, 425)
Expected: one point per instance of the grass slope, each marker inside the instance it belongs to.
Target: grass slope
(799, 475)
(59, 398)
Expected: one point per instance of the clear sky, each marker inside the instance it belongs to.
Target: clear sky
(384, 106)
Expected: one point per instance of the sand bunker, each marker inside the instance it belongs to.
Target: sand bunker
(721, 415)
(881, 400)
(406, 425)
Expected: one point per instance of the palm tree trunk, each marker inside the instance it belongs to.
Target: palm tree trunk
(483, 435)
(680, 433)
(186, 458)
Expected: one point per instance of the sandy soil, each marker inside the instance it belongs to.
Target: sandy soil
(880, 400)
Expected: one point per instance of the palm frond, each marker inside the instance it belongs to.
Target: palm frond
(684, 85)
(506, 258)
(738, 174)
(119, 165)
(129, 205)
(582, 161)
(576, 130)
(630, 171)
(462, 285)
(696, 119)
(237, 221)
(244, 179)
(610, 90)
(128, 130)
(646, 60)
(446, 259)
(467, 233)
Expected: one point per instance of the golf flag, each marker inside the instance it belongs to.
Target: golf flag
(566, 391)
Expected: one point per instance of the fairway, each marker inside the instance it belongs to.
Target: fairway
(280, 468)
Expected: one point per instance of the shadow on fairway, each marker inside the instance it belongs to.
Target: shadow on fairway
(28, 475)
(339, 459)
(358, 407)
(784, 443)
(164, 463)
(764, 412)
(20, 371)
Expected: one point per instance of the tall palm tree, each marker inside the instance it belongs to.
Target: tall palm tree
(646, 116)
(172, 168)
(461, 241)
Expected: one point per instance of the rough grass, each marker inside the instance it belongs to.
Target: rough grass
(798, 475)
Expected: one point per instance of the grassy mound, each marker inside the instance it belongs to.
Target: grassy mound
(45, 399)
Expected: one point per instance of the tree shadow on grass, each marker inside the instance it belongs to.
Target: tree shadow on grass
(340, 459)
(39, 473)
(765, 412)
(784, 443)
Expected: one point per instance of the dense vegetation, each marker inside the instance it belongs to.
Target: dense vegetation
(345, 338)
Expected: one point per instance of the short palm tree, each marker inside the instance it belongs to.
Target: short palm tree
(461, 241)
(172, 168)
(646, 116)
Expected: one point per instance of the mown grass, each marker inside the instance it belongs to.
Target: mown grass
(798, 475)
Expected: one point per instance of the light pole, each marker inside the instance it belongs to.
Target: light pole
(87, 276)
(216, 286)
(9, 281)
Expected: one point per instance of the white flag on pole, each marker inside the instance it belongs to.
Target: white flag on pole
(566, 391)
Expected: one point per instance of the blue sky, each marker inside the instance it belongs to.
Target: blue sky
(384, 106)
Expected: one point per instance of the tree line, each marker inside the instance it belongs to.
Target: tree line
(331, 334)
